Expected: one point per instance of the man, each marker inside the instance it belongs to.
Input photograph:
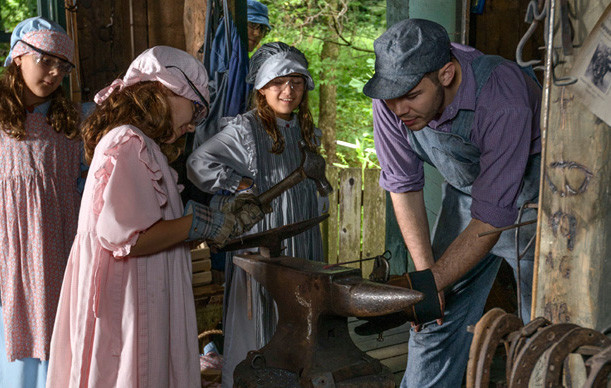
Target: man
(227, 68)
(258, 23)
(258, 27)
(476, 119)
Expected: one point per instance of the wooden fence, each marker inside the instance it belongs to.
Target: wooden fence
(356, 226)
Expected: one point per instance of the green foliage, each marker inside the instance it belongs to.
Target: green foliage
(305, 25)
(362, 151)
(14, 11)
(11, 13)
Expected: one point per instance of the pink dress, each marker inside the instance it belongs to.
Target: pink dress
(125, 321)
(38, 216)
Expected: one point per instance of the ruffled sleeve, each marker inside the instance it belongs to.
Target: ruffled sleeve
(128, 197)
(224, 159)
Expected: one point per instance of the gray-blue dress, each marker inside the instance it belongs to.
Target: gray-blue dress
(241, 149)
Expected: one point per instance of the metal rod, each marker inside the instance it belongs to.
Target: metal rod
(347, 262)
(545, 113)
(356, 261)
(499, 230)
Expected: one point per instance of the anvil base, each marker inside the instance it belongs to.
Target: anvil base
(248, 375)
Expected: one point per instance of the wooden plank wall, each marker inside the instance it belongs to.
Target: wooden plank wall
(356, 225)
(112, 33)
(501, 26)
(350, 199)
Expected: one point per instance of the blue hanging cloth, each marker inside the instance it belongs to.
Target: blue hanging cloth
(227, 63)
(236, 98)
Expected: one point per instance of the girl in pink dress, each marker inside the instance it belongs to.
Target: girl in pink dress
(40, 153)
(126, 316)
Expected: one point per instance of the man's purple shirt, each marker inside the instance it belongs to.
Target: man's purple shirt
(505, 129)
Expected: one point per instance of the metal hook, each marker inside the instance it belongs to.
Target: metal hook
(533, 17)
(560, 81)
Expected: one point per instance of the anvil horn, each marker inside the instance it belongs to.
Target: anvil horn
(363, 298)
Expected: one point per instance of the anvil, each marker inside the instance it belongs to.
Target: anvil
(312, 346)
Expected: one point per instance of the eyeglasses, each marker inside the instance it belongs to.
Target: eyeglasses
(199, 113)
(50, 61)
(200, 108)
(278, 84)
(262, 28)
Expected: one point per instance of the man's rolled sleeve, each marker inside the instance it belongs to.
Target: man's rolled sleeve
(402, 170)
(505, 153)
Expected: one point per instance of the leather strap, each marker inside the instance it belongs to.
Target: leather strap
(429, 308)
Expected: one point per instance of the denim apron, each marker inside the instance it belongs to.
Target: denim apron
(438, 355)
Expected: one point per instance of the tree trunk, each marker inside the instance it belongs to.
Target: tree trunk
(328, 97)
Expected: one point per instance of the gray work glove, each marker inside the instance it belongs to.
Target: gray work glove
(247, 210)
(223, 198)
(210, 224)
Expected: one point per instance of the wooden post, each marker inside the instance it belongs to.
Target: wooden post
(396, 10)
(573, 267)
(195, 25)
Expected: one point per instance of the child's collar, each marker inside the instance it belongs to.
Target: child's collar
(40, 108)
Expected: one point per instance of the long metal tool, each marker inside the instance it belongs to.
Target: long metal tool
(387, 253)
(504, 228)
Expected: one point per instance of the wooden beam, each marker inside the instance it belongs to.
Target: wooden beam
(194, 25)
(573, 265)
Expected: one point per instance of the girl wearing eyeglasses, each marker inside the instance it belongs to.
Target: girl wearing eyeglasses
(126, 315)
(260, 148)
(40, 153)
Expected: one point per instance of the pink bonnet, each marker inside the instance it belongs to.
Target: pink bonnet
(175, 69)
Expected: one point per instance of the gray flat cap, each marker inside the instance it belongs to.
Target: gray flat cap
(404, 54)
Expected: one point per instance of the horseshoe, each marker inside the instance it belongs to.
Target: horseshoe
(530, 353)
(478, 336)
(501, 327)
(520, 339)
(568, 344)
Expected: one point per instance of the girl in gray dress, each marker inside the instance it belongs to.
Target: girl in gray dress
(258, 149)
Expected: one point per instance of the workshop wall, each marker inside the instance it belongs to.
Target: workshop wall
(112, 33)
(499, 28)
